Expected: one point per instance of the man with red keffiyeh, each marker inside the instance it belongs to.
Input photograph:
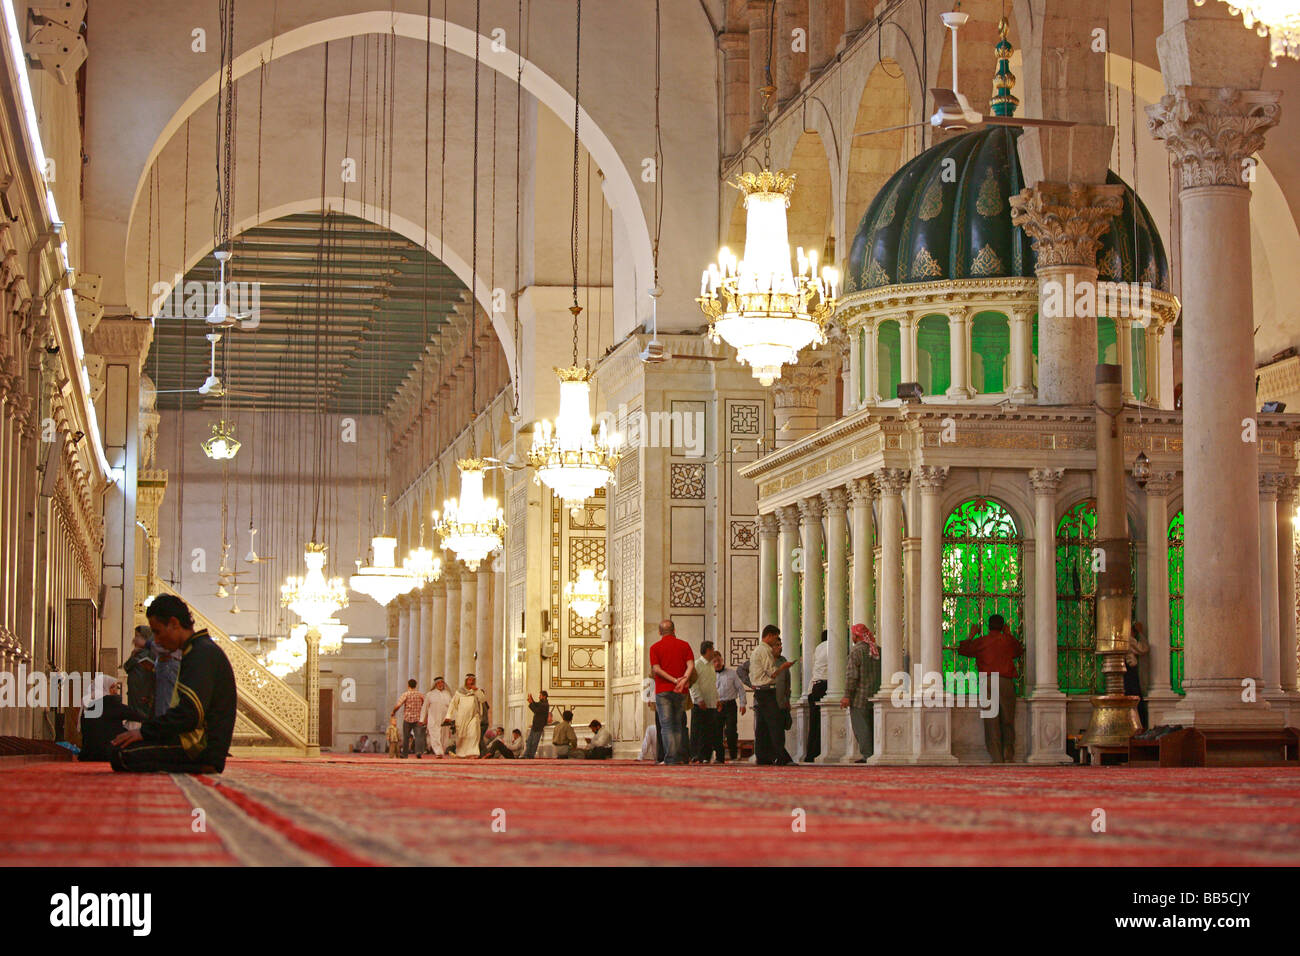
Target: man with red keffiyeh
(862, 683)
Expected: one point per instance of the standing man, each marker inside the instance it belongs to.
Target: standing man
(410, 704)
(704, 705)
(816, 691)
(1137, 647)
(782, 684)
(673, 665)
(862, 682)
(769, 725)
(436, 703)
(139, 669)
(995, 654)
(541, 710)
(731, 693)
(464, 711)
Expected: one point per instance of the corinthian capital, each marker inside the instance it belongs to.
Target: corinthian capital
(1046, 480)
(930, 478)
(1066, 220)
(892, 481)
(799, 385)
(1213, 132)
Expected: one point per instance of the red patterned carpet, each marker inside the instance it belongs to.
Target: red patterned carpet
(372, 810)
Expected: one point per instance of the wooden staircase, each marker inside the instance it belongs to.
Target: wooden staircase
(271, 718)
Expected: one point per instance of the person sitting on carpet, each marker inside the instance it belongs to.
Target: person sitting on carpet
(496, 744)
(102, 717)
(194, 735)
(516, 743)
(601, 746)
(362, 746)
(564, 739)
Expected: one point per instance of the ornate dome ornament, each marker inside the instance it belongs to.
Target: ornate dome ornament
(1277, 19)
(758, 305)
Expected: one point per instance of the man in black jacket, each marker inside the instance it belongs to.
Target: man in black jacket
(541, 710)
(194, 735)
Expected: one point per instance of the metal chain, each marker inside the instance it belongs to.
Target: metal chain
(573, 230)
(519, 94)
(473, 304)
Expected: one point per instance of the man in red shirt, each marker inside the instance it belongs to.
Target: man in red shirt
(996, 653)
(672, 662)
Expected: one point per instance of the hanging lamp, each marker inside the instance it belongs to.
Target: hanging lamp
(222, 445)
(1277, 19)
(312, 597)
(588, 594)
(383, 580)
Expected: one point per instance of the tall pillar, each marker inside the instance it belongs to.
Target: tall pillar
(428, 663)
(451, 660)
(959, 348)
(1159, 690)
(1047, 728)
(501, 650)
(483, 631)
(787, 542)
(870, 361)
(825, 27)
(1124, 355)
(791, 64)
(403, 643)
(813, 597)
(892, 725)
(1066, 222)
(438, 636)
(1212, 134)
(123, 343)
(760, 78)
(931, 726)
(794, 397)
(312, 690)
(735, 81)
(863, 610)
(1021, 385)
(767, 571)
(907, 347)
(419, 649)
(1286, 502)
(835, 733)
(468, 624)
(1270, 627)
(856, 15)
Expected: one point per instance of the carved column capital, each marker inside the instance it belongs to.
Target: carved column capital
(1160, 484)
(836, 500)
(811, 509)
(799, 385)
(930, 478)
(862, 489)
(1066, 220)
(892, 481)
(788, 518)
(768, 525)
(1213, 132)
(1046, 481)
(1269, 484)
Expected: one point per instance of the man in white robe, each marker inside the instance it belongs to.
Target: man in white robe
(436, 703)
(465, 711)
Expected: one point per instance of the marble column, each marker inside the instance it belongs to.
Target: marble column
(856, 15)
(907, 348)
(403, 643)
(768, 605)
(1047, 726)
(468, 624)
(863, 610)
(1159, 690)
(835, 730)
(931, 726)
(735, 81)
(1066, 222)
(1270, 627)
(438, 636)
(892, 724)
(428, 663)
(483, 630)
(760, 77)
(415, 630)
(870, 360)
(1021, 385)
(1286, 503)
(451, 660)
(788, 540)
(959, 348)
(825, 27)
(794, 399)
(1124, 355)
(1212, 134)
(811, 625)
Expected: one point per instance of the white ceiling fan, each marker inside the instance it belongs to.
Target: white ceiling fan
(953, 111)
(212, 385)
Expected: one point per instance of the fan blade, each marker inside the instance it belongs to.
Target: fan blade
(1021, 121)
(699, 358)
(889, 129)
(945, 99)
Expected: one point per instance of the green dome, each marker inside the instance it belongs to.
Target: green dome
(945, 215)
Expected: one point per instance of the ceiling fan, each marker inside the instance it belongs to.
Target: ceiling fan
(212, 386)
(219, 315)
(953, 111)
(253, 557)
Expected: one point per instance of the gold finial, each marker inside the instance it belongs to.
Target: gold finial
(1003, 102)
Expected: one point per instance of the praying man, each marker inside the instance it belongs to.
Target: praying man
(464, 713)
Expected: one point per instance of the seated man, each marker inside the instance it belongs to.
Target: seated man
(601, 746)
(496, 744)
(362, 746)
(102, 717)
(517, 743)
(564, 739)
(194, 735)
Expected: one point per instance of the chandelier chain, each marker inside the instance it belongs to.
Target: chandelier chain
(573, 229)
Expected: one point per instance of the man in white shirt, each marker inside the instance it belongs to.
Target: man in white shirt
(706, 712)
(816, 691)
(601, 746)
(731, 694)
(436, 702)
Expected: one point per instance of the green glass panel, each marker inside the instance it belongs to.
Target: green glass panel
(1107, 351)
(891, 357)
(991, 341)
(1139, 362)
(981, 566)
(1177, 620)
(933, 340)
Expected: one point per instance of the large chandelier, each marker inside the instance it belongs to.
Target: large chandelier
(587, 595)
(288, 655)
(222, 444)
(1278, 19)
(474, 526)
(569, 459)
(423, 565)
(312, 597)
(383, 580)
(757, 304)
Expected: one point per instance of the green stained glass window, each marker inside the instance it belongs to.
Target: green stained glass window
(1177, 620)
(1107, 342)
(889, 349)
(983, 558)
(990, 348)
(1076, 600)
(932, 346)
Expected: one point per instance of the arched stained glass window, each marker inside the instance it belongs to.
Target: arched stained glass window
(1076, 599)
(982, 561)
(1177, 619)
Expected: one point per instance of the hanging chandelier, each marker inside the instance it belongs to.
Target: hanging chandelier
(288, 655)
(1277, 19)
(571, 460)
(757, 304)
(312, 597)
(383, 580)
(222, 444)
(588, 594)
(474, 526)
(423, 565)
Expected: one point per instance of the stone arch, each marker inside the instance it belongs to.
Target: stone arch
(873, 158)
(810, 217)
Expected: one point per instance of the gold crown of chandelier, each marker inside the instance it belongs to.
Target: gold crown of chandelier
(759, 305)
(473, 526)
(569, 459)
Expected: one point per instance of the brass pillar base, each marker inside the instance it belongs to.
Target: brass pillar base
(1114, 721)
